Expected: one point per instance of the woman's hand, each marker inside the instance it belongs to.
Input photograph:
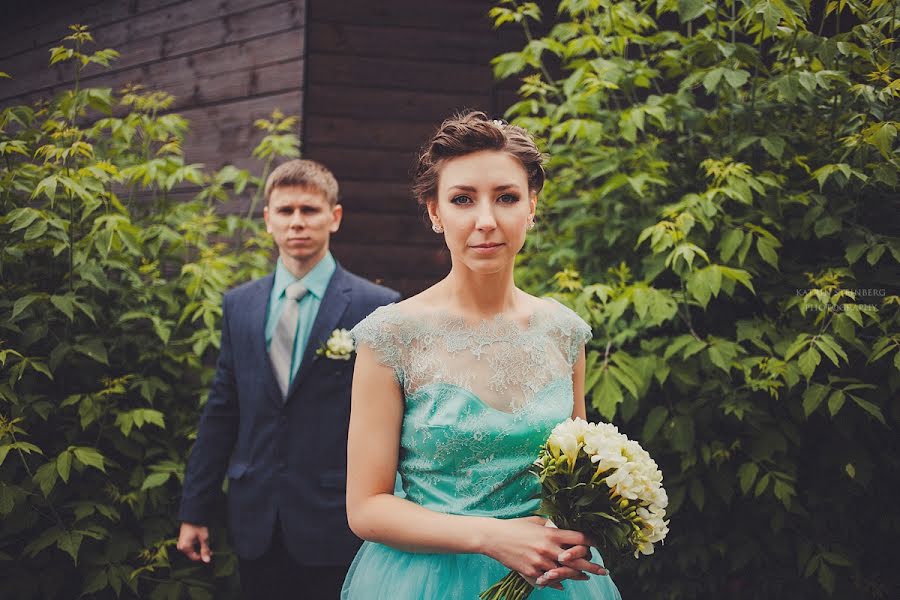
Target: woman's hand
(525, 545)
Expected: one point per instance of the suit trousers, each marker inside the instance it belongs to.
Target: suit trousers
(277, 576)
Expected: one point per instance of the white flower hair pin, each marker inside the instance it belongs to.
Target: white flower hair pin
(339, 346)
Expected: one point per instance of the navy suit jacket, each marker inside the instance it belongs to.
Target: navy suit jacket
(285, 458)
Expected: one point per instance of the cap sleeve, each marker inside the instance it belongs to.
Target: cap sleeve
(581, 335)
(575, 332)
(379, 331)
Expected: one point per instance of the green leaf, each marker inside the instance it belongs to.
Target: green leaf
(155, 480)
(46, 476)
(716, 357)
(46, 539)
(93, 348)
(46, 186)
(704, 283)
(96, 582)
(826, 578)
(813, 397)
(65, 305)
(836, 402)
(827, 351)
(508, 64)
(875, 254)
(739, 275)
(826, 226)
(747, 476)
(808, 362)
(736, 78)
(855, 251)
(766, 249)
(881, 135)
(89, 457)
(834, 558)
(655, 419)
(688, 10)
(712, 79)
(69, 542)
(729, 243)
(21, 218)
(697, 493)
(870, 408)
(682, 433)
(64, 464)
(774, 145)
(22, 303)
(607, 395)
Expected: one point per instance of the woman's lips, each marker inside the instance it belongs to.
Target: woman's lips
(487, 248)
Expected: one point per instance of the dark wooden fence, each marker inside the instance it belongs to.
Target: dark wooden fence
(370, 79)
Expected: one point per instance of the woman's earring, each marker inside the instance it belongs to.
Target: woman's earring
(437, 228)
(530, 225)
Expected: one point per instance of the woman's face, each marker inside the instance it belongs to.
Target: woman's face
(484, 206)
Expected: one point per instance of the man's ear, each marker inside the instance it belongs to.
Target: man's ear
(337, 213)
(266, 219)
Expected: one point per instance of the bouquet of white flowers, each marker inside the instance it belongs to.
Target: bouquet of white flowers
(596, 481)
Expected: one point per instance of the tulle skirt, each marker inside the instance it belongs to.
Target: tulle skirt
(382, 573)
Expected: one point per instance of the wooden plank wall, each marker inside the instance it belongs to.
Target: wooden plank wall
(371, 80)
(380, 77)
(227, 62)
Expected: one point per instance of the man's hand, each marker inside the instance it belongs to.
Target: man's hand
(190, 537)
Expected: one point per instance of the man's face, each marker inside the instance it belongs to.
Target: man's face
(301, 222)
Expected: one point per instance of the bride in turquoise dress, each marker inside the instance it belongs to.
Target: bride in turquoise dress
(457, 388)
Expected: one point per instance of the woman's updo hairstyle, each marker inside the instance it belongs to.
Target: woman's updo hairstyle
(470, 132)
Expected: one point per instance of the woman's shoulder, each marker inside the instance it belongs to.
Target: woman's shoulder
(563, 322)
(391, 320)
(558, 313)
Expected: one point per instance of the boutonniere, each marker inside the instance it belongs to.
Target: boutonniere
(339, 346)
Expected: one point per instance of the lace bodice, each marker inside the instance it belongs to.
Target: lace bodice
(499, 361)
(479, 401)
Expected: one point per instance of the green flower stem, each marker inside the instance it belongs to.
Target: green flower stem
(512, 587)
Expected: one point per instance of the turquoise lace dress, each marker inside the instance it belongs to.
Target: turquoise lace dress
(480, 402)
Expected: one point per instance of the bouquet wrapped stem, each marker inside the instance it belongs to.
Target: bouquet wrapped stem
(596, 481)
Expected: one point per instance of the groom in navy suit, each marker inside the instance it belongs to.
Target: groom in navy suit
(275, 422)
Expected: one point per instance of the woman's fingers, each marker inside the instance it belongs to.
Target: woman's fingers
(559, 574)
(587, 566)
(577, 557)
(566, 537)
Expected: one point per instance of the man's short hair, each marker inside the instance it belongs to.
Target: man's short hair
(303, 173)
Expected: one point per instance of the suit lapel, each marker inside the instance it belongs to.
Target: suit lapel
(331, 309)
(258, 312)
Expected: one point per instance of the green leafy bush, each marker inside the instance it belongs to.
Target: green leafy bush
(110, 299)
(722, 209)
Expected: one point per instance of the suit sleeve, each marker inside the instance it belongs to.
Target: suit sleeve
(216, 437)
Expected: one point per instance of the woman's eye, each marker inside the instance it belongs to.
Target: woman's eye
(460, 199)
(508, 198)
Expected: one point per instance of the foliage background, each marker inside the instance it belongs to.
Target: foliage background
(110, 300)
(723, 176)
(721, 208)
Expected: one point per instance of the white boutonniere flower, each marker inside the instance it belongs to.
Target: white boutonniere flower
(339, 346)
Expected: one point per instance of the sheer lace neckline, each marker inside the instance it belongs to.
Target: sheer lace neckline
(443, 317)
(501, 361)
